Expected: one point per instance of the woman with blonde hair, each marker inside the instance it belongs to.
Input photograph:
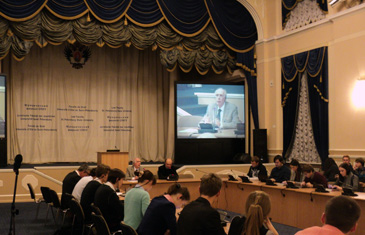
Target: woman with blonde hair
(256, 221)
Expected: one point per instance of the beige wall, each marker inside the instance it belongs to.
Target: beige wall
(344, 34)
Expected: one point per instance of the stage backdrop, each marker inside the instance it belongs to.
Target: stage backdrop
(120, 99)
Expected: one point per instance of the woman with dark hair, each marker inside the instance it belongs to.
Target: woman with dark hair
(137, 199)
(296, 171)
(330, 169)
(347, 179)
(160, 215)
(257, 221)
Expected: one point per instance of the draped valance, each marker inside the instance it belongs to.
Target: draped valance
(200, 34)
(315, 64)
(288, 5)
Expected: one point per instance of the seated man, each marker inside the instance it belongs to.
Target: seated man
(359, 169)
(167, 169)
(134, 169)
(340, 217)
(70, 180)
(199, 217)
(256, 168)
(313, 178)
(222, 114)
(346, 159)
(280, 172)
(88, 194)
(79, 187)
(108, 201)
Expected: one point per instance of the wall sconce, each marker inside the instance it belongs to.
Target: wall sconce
(358, 95)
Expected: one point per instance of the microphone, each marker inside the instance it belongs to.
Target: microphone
(202, 171)
(17, 162)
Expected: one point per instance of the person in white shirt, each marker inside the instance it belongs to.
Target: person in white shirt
(79, 187)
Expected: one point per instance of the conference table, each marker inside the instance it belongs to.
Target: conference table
(299, 208)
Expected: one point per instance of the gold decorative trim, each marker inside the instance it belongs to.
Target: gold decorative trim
(67, 17)
(286, 97)
(320, 94)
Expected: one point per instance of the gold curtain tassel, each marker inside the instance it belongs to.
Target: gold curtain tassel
(128, 44)
(154, 47)
(88, 17)
(125, 21)
(202, 48)
(10, 33)
(179, 48)
(283, 86)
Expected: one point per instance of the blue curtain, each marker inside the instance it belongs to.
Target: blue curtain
(288, 5)
(20, 9)
(315, 64)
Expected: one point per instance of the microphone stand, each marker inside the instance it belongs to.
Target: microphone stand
(13, 210)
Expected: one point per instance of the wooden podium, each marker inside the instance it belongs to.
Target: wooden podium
(114, 159)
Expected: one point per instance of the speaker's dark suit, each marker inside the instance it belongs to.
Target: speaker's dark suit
(199, 218)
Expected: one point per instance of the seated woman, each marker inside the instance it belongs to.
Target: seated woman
(257, 221)
(313, 178)
(137, 199)
(296, 171)
(347, 179)
(160, 215)
(330, 169)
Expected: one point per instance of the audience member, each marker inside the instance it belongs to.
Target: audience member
(359, 169)
(280, 172)
(257, 221)
(69, 182)
(79, 187)
(134, 169)
(160, 215)
(256, 168)
(296, 171)
(199, 217)
(330, 169)
(137, 199)
(347, 179)
(108, 201)
(340, 217)
(346, 159)
(313, 178)
(88, 194)
(167, 170)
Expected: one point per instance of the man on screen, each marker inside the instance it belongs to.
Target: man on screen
(222, 113)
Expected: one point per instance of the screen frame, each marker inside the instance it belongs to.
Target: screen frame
(241, 83)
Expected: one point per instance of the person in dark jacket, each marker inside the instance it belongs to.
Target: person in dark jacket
(108, 201)
(313, 178)
(69, 182)
(199, 217)
(160, 215)
(167, 170)
(256, 168)
(280, 172)
(330, 169)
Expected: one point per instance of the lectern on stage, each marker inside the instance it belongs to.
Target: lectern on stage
(114, 159)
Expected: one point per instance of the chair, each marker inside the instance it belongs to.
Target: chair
(57, 204)
(101, 226)
(95, 209)
(48, 199)
(78, 222)
(37, 201)
(128, 230)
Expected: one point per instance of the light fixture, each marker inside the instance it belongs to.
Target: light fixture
(358, 95)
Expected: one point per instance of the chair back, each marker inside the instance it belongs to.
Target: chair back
(46, 195)
(55, 200)
(128, 230)
(79, 217)
(31, 191)
(100, 224)
(95, 209)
